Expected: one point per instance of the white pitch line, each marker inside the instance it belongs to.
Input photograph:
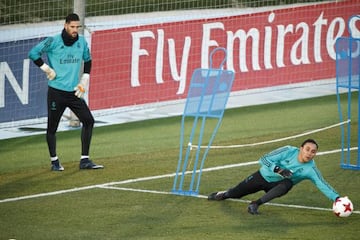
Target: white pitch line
(119, 182)
(48, 194)
(336, 151)
(138, 180)
(275, 140)
(173, 174)
(135, 190)
(205, 197)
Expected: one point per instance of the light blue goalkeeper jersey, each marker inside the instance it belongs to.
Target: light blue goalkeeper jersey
(287, 158)
(65, 60)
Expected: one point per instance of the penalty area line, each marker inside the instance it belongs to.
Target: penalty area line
(47, 194)
(142, 179)
(205, 197)
(118, 183)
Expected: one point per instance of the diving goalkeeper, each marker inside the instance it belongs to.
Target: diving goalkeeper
(280, 170)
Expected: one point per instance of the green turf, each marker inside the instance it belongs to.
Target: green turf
(151, 148)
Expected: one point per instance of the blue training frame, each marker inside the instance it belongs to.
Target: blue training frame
(208, 94)
(348, 77)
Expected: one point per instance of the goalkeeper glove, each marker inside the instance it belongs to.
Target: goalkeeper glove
(283, 172)
(80, 89)
(50, 73)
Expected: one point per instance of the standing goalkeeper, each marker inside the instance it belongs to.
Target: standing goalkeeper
(279, 171)
(65, 53)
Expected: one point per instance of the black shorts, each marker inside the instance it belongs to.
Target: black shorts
(58, 101)
(252, 184)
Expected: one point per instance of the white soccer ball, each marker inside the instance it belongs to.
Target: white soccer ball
(343, 207)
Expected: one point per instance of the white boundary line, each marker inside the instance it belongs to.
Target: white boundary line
(235, 200)
(275, 140)
(110, 186)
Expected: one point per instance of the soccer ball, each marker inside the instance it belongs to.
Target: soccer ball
(343, 207)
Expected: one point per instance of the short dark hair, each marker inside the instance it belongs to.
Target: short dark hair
(310, 140)
(72, 17)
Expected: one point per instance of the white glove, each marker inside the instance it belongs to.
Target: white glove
(80, 89)
(50, 73)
